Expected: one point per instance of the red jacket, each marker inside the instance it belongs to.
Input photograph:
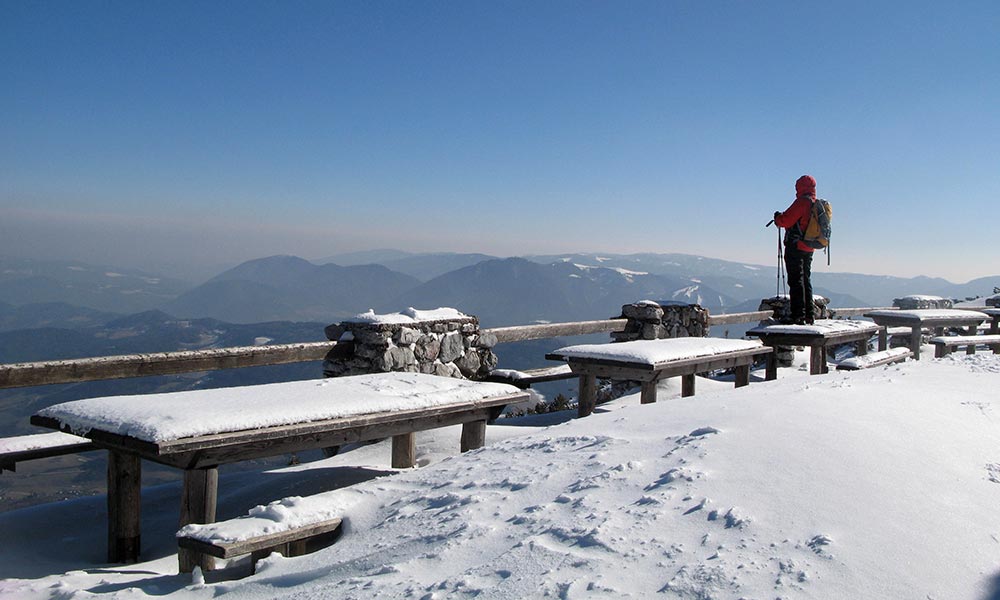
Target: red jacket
(798, 213)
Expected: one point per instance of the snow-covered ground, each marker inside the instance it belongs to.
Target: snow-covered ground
(881, 483)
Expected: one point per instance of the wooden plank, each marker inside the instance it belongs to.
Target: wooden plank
(473, 435)
(742, 375)
(522, 333)
(736, 318)
(260, 542)
(587, 395)
(687, 385)
(404, 451)
(198, 501)
(124, 507)
(158, 363)
(647, 392)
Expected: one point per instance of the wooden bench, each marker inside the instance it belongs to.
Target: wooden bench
(295, 541)
(40, 445)
(875, 359)
(525, 379)
(945, 344)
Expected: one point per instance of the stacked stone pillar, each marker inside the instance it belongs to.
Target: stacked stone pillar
(650, 320)
(442, 342)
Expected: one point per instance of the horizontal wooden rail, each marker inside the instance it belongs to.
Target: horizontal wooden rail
(192, 361)
(857, 312)
(157, 363)
(521, 333)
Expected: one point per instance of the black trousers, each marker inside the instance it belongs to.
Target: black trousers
(799, 267)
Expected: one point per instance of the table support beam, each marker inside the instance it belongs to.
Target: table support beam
(473, 435)
(404, 451)
(124, 507)
(687, 385)
(647, 394)
(198, 501)
(588, 395)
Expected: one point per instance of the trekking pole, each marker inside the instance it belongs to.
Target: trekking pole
(779, 284)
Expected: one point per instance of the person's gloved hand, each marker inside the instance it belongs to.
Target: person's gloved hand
(777, 214)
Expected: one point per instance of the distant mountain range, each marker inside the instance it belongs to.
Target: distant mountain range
(500, 291)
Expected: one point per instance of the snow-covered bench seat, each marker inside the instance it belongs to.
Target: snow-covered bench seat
(875, 359)
(40, 445)
(945, 344)
(291, 527)
(525, 379)
(649, 361)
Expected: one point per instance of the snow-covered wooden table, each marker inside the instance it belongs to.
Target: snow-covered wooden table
(937, 319)
(649, 361)
(818, 337)
(198, 430)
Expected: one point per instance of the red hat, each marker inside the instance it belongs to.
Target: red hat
(805, 185)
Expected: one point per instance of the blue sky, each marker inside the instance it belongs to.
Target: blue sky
(158, 133)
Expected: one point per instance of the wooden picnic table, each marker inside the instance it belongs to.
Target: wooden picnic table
(649, 361)
(197, 431)
(937, 319)
(818, 337)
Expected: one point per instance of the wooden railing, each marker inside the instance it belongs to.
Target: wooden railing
(192, 361)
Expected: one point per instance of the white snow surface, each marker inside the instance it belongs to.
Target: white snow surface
(175, 415)
(652, 352)
(930, 314)
(821, 327)
(410, 315)
(23, 443)
(875, 484)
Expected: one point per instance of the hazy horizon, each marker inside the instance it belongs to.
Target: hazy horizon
(187, 134)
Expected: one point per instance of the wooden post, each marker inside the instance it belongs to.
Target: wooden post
(588, 395)
(473, 435)
(883, 338)
(742, 375)
(971, 348)
(648, 392)
(771, 368)
(687, 385)
(861, 348)
(915, 341)
(404, 451)
(198, 500)
(816, 359)
(124, 506)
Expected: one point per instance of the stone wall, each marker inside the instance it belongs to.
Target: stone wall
(649, 320)
(782, 307)
(920, 301)
(443, 342)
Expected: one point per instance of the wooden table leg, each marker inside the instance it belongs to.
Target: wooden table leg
(124, 507)
(971, 348)
(742, 375)
(915, 341)
(473, 435)
(647, 392)
(687, 385)
(198, 500)
(861, 348)
(816, 359)
(588, 395)
(883, 338)
(771, 367)
(404, 450)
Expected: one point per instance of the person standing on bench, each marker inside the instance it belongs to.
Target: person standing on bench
(798, 256)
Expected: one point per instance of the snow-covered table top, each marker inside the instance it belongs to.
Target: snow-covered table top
(823, 327)
(176, 415)
(654, 352)
(928, 315)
